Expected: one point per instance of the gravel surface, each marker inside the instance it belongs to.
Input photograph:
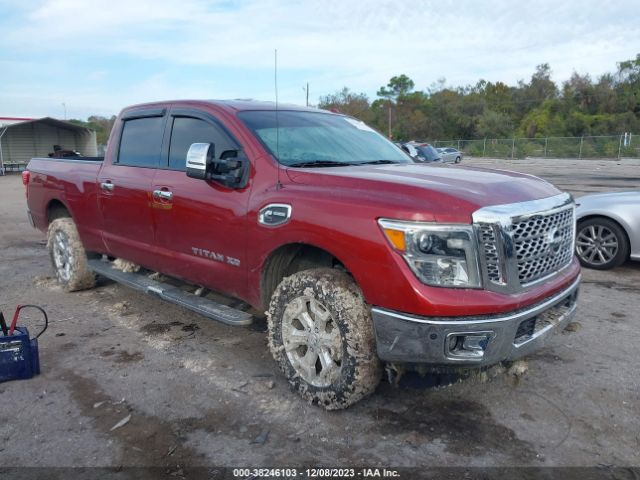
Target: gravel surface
(128, 380)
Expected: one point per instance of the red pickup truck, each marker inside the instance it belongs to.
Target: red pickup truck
(358, 255)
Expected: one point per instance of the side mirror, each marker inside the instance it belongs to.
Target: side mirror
(230, 170)
(199, 160)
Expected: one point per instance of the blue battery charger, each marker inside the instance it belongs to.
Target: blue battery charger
(19, 358)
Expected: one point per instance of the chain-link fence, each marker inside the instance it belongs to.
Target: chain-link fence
(610, 146)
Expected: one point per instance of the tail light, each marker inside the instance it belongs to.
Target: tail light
(26, 175)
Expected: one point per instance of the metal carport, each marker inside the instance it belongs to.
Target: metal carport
(24, 139)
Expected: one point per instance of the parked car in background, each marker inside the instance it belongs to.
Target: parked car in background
(450, 155)
(405, 149)
(422, 152)
(608, 229)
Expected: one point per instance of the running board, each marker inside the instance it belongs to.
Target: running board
(169, 293)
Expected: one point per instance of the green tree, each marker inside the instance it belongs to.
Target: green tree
(102, 126)
(492, 124)
(397, 87)
(533, 108)
(347, 102)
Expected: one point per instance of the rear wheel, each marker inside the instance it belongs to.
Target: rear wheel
(322, 337)
(601, 243)
(68, 256)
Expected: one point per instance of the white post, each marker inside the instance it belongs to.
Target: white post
(620, 146)
(580, 154)
(513, 148)
(546, 140)
(1, 155)
(484, 146)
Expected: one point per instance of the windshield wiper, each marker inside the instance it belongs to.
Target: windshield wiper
(378, 162)
(320, 163)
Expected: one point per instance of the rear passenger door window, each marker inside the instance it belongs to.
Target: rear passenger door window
(141, 142)
(188, 130)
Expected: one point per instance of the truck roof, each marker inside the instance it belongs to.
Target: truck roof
(236, 105)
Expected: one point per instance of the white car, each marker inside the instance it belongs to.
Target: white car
(450, 155)
(608, 230)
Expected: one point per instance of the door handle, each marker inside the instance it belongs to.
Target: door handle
(162, 195)
(108, 185)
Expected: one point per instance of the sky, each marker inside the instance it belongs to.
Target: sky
(90, 57)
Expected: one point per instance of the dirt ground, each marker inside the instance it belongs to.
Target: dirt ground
(196, 392)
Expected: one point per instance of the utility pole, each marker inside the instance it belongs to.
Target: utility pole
(64, 105)
(389, 134)
(307, 92)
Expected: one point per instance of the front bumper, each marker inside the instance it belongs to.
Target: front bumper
(472, 341)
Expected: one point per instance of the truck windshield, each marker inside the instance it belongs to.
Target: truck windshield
(309, 139)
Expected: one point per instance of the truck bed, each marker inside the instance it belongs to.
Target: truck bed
(71, 181)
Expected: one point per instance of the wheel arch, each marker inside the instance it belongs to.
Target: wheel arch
(57, 209)
(291, 258)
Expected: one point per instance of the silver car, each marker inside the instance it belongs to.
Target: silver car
(450, 155)
(608, 229)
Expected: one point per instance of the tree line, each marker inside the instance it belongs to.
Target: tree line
(102, 126)
(608, 105)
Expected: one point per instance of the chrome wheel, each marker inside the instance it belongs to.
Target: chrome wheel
(62, 256)
(596, 245)
(312, 341)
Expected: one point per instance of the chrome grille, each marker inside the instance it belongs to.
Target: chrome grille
(543, 244)
(487, 236)
(524, 242)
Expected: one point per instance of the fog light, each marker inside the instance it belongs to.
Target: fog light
(475, 342)
(470, 346)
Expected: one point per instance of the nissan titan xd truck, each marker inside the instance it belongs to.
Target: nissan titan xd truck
(359, 256)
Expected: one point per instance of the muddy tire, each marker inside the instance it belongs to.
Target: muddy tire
(322, 337)
(68, 257)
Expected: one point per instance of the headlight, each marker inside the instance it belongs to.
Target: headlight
(439, 255)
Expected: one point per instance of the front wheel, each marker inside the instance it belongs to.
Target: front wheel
(601, 244)
(322, 337)
(68, 256)
(458, 159)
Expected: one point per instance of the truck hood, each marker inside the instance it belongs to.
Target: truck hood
(427, 192)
